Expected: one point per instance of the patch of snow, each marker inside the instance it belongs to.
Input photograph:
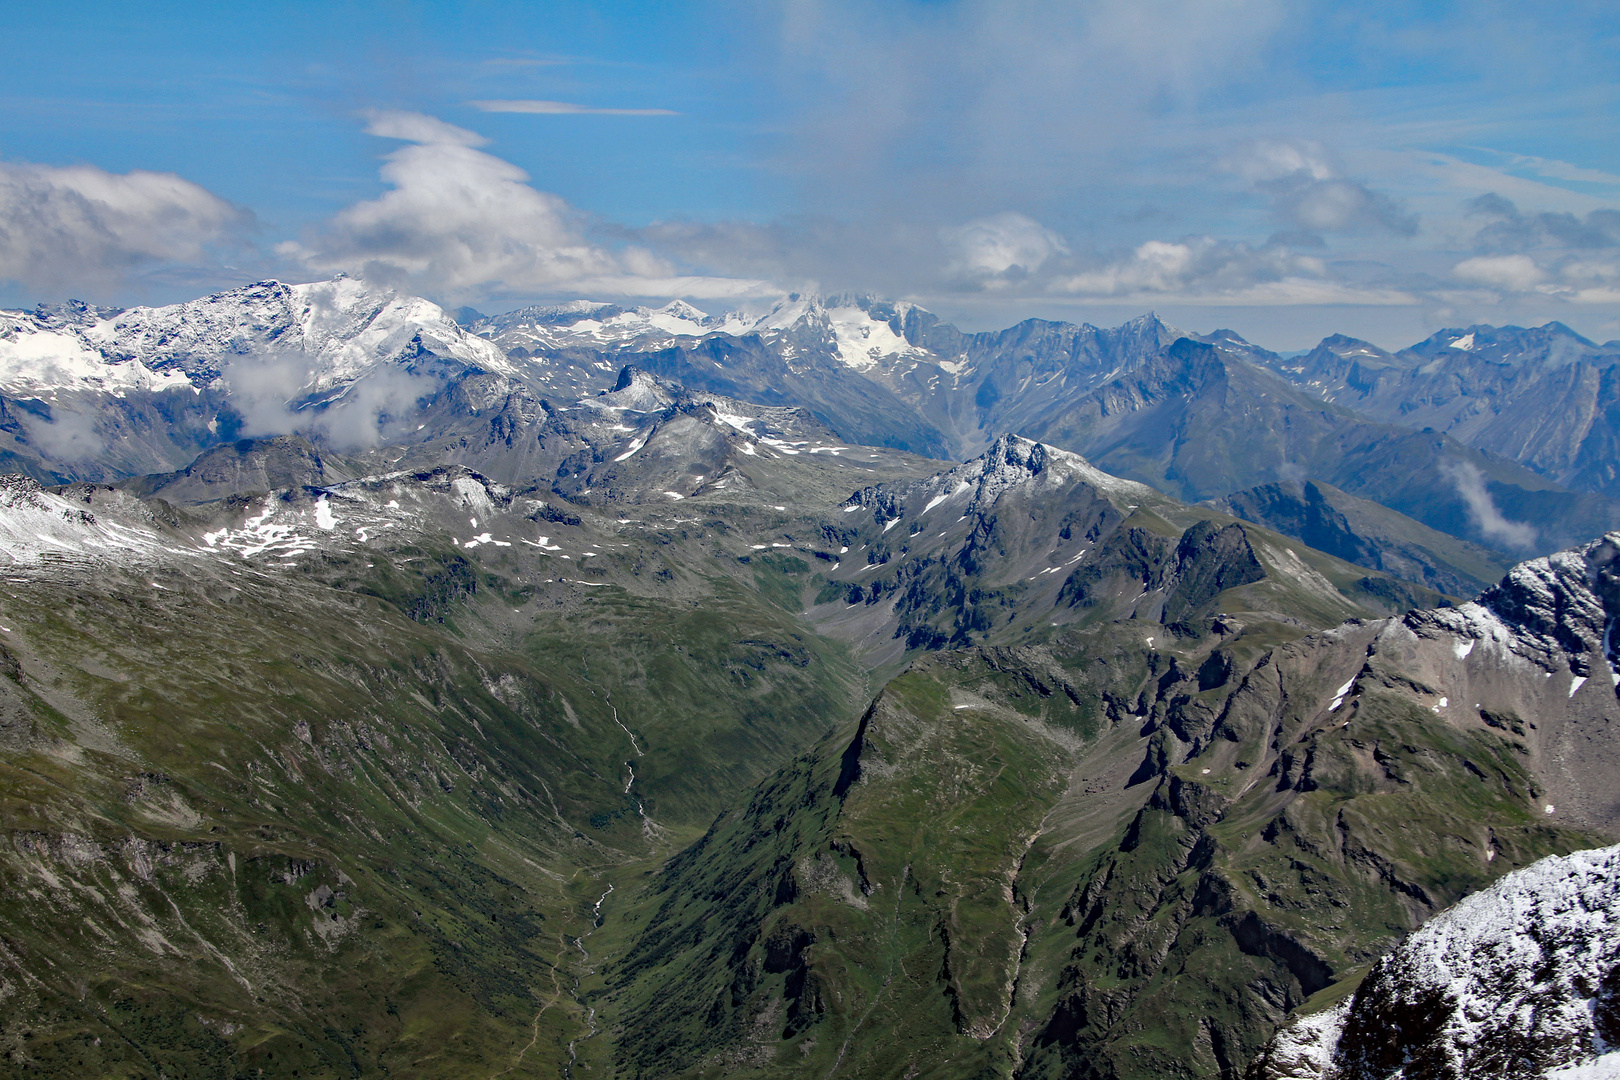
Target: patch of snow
(634, 446)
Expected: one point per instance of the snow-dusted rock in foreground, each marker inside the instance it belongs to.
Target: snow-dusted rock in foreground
(1521, 980)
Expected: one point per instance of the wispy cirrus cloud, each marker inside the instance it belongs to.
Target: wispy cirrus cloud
(562, 108)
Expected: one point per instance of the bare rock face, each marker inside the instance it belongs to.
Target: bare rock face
(1521, 980)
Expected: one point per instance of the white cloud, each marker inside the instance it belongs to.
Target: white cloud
(562, 108)
(1207, 271)
(265, 391)
(1267, 160)
(1309, 191)
(460, 223)
(417, 128)
(1513, 273)
(995, 251)
(82, 227)
(455, 222)
(1470, 484)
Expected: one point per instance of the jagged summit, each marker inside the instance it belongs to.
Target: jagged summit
(1553, 611)
(636, 389)
(1551, 344)
(1011, 462)
(597, 324)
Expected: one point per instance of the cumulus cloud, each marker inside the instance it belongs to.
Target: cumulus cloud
(1542, 255)
(460, 223)
(1206, 270)
(457, 221)
(1309, 192)
(82, 227)
(270, 395)
(1505, 229)
(1511, 273)
(993, 252)
(1470, 484)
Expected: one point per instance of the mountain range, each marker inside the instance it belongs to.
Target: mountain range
(819, 691)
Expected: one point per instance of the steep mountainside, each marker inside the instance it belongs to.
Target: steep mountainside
(1027, 537)
(308, 773)
(620, 692)
(1544, 397)
(100, 395)
(1110, 858)
(1363, 532)
(333, 781)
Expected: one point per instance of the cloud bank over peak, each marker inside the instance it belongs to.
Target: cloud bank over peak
(1309, 192)
(459, 223)
(79, 226)
(999, 251)
(1549, 255)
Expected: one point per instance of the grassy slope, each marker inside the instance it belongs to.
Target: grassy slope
(191, 759)
(872, 906)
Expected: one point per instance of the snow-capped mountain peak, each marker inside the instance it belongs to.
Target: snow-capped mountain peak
(339, 329)
(843, 325)
(1011, 463)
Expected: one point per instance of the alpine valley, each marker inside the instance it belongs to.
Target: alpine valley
(812, 691)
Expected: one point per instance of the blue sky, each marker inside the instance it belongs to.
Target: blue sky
(1285, 169)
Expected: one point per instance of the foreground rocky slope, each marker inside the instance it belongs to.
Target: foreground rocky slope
(1517, 981)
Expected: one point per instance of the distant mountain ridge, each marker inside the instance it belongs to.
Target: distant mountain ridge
(89, 393)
